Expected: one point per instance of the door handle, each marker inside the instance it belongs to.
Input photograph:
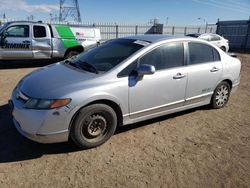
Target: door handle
(214, 69)
(178, 76)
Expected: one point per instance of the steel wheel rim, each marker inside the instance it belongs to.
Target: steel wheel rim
(222, 95)
(94, 127)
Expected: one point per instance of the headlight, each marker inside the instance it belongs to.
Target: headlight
(46, 103)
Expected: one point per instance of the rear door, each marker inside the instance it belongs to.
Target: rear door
(41, 41)
(204, 71)
(16, 42)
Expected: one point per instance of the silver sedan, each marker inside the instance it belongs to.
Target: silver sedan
(123, 81)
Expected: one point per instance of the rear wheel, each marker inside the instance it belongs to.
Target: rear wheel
(221, 95)
(223, 48)
(71, 54)
(93, 126)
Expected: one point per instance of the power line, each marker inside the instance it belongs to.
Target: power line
(221, 6)
(69, 10)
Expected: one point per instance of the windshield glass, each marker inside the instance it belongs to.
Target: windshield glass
(106, 56)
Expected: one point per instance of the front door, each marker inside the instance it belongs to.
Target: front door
(163, 90)
(16, 42)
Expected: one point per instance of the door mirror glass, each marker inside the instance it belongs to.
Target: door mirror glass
(145, 69)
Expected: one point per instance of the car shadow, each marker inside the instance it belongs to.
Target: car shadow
(14, 147)
(25, 63)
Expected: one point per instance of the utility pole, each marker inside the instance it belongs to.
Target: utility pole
(167, 21)
(69, 10)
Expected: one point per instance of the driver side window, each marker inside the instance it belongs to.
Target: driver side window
(18, 31)
(165, 57)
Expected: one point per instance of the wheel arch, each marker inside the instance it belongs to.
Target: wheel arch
(75, 48)
(108, 102)
(229, 82)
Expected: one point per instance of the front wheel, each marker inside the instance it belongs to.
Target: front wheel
(93, 126)
(221, 95)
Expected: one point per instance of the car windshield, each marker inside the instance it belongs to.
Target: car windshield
(196, 35)
(106, 56)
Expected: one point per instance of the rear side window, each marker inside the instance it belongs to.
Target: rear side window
(39, 31)
(202, 53)
(166, 56)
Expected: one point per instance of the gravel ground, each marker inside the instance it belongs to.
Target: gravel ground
(195, 148)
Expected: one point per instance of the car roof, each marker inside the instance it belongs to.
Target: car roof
(152, 37)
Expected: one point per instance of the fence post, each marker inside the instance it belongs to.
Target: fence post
(173, 30)
(247, 34)
(185, 30)
(116, 31)
(136, 29)
(218, 27)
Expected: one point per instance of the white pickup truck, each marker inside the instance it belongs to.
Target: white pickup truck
(37, 40)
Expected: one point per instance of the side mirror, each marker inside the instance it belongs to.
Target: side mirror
(145, 69)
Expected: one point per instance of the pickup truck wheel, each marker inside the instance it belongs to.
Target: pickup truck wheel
(221, 95)
(71, 54)
(93, 126)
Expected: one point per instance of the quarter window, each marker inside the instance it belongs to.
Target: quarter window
(202, 53)
(164, 57)
(18, 31)
(39, 31)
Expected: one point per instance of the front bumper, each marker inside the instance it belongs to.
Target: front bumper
(52, 138)
(43, 126)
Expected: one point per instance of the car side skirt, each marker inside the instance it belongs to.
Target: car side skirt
(193, 102)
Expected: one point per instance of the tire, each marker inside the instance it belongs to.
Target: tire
(223, 48)
(93, 126)
(221, 95)
(71, 54)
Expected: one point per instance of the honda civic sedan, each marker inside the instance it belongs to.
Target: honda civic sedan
(121, 82)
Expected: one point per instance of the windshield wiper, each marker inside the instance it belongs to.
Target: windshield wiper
(89, 67)
(72, 64)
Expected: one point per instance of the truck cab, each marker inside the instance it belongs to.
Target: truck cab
(25, 40)
(37, 40)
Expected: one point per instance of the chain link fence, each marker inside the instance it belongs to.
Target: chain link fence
(114, 30)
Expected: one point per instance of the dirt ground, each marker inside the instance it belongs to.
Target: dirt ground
(195, 148)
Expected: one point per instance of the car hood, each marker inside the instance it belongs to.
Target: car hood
(56, 80)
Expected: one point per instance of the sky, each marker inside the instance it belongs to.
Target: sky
(171, 12)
